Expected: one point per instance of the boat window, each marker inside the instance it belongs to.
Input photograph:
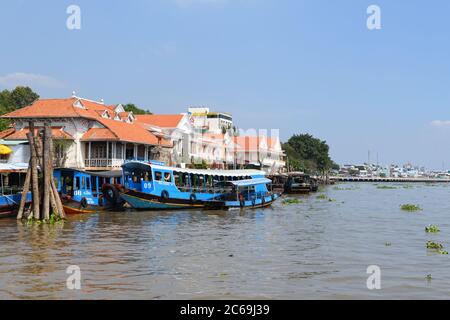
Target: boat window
(147, 176)
(88, 183)
(167, 177)
(82, 183)
(158, 176)
(77, 183)
(94, 184)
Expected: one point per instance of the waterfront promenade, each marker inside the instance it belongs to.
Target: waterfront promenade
(387, 179)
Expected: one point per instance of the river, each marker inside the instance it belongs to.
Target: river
(316, 249)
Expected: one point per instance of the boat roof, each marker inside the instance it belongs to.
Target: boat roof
(104, 174)
(13, 167)
(250, 182)
(209, 172)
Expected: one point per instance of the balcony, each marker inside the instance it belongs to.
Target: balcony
(103, 163)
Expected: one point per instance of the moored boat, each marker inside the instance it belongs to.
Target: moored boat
(155, 186)
(12, 178)
(297, 183)
(251, 193)
(88, 192)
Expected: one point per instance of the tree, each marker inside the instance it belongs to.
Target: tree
(12, 100)
(308, 154)
(130, 107)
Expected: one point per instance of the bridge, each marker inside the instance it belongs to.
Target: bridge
(388, 179)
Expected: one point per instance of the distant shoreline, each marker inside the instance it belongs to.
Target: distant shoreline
(387, 179)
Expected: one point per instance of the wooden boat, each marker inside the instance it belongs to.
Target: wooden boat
(154, 186)
(297, 183)
(252, 193)
(84, 192)
(12, 178)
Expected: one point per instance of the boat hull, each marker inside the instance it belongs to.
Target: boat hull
(74, 207)
(9, 204)
(145, 201)
(257, 203)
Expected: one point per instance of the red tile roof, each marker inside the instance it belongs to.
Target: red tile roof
(7, 132)
(161, 120)
(101, 134)
(65, 108)
(57, 133)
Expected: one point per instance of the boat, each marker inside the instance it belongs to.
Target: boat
(154, 186)
(84, 192)
(251, 193)
(12, 178)
(297, 183)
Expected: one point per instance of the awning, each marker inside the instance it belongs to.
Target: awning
(5, 150)
(250, 182)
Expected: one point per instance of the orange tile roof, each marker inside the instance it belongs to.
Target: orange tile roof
(101, 134)
(64, 108)
(161, 120)
(57, 133)
(7, 132)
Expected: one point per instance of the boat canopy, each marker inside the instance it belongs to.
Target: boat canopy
(103, 174)
(250, 182)
(13, 167)
(220, 173)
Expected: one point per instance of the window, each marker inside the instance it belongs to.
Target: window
(158, 176)
(167, 177)
(83, 183)
(77, 183)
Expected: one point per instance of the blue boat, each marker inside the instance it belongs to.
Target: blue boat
(155, 186)
(88, 192)
(11, 184)
(252, 193)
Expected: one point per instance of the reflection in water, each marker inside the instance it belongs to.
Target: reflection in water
(315, 249)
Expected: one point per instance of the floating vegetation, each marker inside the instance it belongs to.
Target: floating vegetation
(410, 207)
(440, 251)
(429, 277)
(388, 244)
(322, 197)
(344, 189)
(408, 186)
(434, 245)
(292, 201)
(432, 229)
(331, 200)
(386, 187)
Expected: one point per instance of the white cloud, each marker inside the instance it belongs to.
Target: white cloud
(188, 3)
(440, 123)
(13, 80)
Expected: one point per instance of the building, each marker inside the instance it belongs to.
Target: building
(89, 134)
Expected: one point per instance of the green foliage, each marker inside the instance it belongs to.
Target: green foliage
(12, 100)
(432, 229)
(308, 154)
(434, 245)
(410, 207)
(136, 110)
(292, 201)
(322, 197)
(202, 165)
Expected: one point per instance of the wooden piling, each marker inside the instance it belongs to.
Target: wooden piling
(26, 188)
(46, 171)
(34, 173)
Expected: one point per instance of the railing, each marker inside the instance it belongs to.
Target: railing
(104, 163)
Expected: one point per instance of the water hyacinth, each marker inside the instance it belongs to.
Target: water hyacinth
(432, 229)
(292, 201)
(410, 207)
(434, 245)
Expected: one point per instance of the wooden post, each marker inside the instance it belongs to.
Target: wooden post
(26, 188)
(58, 203)
(34, 173)
(46, 171)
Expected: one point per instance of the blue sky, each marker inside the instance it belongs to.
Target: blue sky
(297, 65)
